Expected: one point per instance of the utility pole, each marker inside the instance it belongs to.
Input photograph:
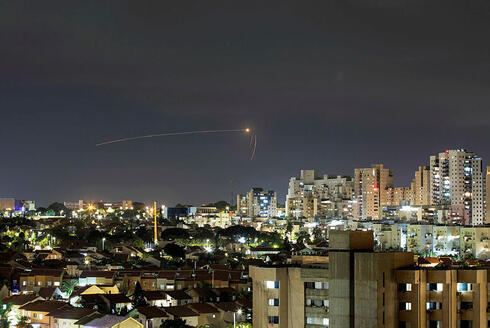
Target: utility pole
(155, 229)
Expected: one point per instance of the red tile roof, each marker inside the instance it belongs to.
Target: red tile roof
(178, 295)
(227, 306)
(45, 306)
(20, 299)
(100, 274)
(203, 308)
(72, 313)
(180, 311)
(154, 295)
(151, 312)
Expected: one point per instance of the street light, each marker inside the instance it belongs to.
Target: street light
(103, 240)
(239, 312)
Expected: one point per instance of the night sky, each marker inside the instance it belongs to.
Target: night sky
(329, 85)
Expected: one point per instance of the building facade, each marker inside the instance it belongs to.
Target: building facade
(327, 196)
(370, 185)
(257, 203)
(420, 187)
(456, 181)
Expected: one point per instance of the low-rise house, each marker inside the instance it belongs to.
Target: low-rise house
(46, 254)
(166, 280)
(50, 293)
(118, 302)
(183, 312)
(127, 280)
(227, 311)
(96, 278)
(200, 295)
(78, 245)
(83, 321)
(208, 314)
(149, 281)
(75, 297)
(19, 301)
(67, 317)
(37, 312)
(113, 321)
(125, 249)
(177, 297)
(40, 278)
(150, 316)
(106, 303)
(156, 298)
(263, 251)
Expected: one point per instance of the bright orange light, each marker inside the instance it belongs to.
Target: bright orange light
(247, 130)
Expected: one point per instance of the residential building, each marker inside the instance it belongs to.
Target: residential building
(487, 196)
(12, 204)
(397, 196)
(328, 196)
(37, 312)
(151, 316)
(420, 187)
(456, 181)
(293, 295)
(65, 317)
(112, 321)
(257, 203)
(297, 207)
(362, 282)
(370, 185)
(37, 278)
(442, 296)
(84, 205)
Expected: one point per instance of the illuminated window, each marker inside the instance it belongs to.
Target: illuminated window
(273, 302)
(272, 284)
(407, 306)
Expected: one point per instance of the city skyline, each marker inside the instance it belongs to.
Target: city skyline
(281, 192)
(328, 87)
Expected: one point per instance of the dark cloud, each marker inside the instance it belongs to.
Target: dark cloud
(330, 85)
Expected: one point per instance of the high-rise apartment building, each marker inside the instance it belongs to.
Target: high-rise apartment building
(397, 196)
(370, 185)
(456, 181)
(487, 196)
(257, 203)
(297, 207)
(310, 195)
(420, 187)
(12, 204)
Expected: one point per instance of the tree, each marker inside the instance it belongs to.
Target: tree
(4, 314)
(139, 206)
(68, 286)
(174, 250)
(23, 322)
(175, 323)
(175, 234)
(59, 209)
(240, 325)
(302, 236)
(138, 296)
(203, 234)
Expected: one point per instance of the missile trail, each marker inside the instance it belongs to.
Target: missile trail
(255, 147)
(170, 134)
